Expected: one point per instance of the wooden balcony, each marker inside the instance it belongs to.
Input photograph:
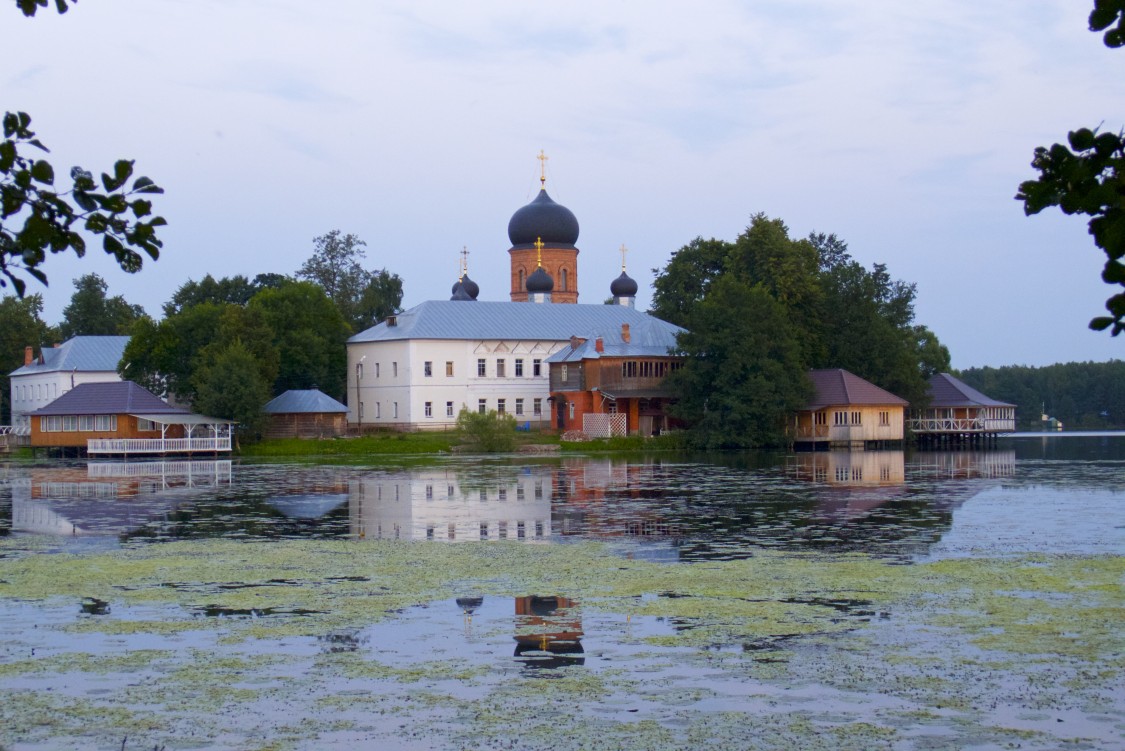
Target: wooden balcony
(962, 425)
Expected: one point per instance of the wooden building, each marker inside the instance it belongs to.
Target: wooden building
(848, 411)
(307, 413)
(123, 418)
(958, 414)
(613, 384)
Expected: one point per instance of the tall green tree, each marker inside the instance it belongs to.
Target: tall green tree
(91, 312)
(231, 386)
(743, 373)
(310, 335)
(236, 290)
(686, 278)
(1087, 177)
(21, 326)
(363, 297)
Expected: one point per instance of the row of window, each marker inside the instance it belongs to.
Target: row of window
(843, 418)
(482, 407)
(501, 368)
(501, 493)
(36, 391)
(647, 368)
(72, 423)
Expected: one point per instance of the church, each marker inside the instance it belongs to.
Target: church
(417, 369)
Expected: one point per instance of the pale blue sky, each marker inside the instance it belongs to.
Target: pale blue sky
(905, 128)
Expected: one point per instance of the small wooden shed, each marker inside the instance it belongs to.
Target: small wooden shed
(305, 413)
(848, 411)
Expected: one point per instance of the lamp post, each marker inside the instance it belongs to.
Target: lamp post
(358, 403)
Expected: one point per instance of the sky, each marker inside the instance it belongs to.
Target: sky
(904, 128)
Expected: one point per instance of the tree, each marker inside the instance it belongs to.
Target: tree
(236, 290)
(742, 373)
(490, 432)
(21, 326)
(92, 313)
(686, 278)
(36, 219)
(231, 386)
(362, 297)
(1088, 178)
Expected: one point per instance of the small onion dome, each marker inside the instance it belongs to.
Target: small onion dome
(456, 286)
(545, 220)
(460, 294)
(470, 287)
(623, 286)
(540, 281)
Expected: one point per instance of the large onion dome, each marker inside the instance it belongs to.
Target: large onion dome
(623, 286)
(470, 287)
(539, 282)
(545, 220)
(460, 294)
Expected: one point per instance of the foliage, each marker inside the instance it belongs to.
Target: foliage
(36, 219)
(1088, 178)
(231, 386)
(309, 334)
(687, 277)
(236, 290)
(1081, 394)
(363, 297)
(21, 325)
(743, 372)
(489, 432)
(92, 313)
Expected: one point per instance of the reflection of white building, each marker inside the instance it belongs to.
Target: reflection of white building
(850, 468)
(444, 504)
(108, 498)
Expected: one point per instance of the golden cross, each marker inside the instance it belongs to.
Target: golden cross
(539, 251)
(624, 250)
(542, 168)
(464, 260)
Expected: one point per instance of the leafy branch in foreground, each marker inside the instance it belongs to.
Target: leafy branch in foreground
(35, 218)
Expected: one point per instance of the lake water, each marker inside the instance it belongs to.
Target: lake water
(833, 600)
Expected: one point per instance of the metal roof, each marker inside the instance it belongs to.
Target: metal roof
(81, 353)
(451, 319)
(303, 401)
(947, 391)
(588, 350)
(183, 418)
(112, 398)
(838, 387)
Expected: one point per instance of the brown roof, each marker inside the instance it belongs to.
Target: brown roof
(947, 391)
(838, 387)
(113, 398)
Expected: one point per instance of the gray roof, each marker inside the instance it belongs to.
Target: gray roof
(947, 391)
(113, 398)
(302, 401)
(81, 353)
(450, 319)
(588, 350)
(838, 387)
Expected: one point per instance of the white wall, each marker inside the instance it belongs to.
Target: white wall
(36, 390)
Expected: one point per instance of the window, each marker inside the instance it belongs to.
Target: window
(448, 368)
(484, 530)
(394, 370)
(70, 423)
(629, 369)
(857, 418)
(562, 373)
(884, 419)
(482, 406)
(500, 369)
(562, 276)
(428, 368)
(105, 422)
(571, 410)
(359, 371)
(538, 491)
(449, 409)
(537, 406)
(500, 407)
(501, 494)
(820, 418)
(429, 409)
(145, 425)
(523, 284)
(376, 370)
(86, 422)
(839, 418)
(448, 491)
(537, 367)
(502, 530)
(481, 368)
(429, 492)
(396, 410)
(519, 367)
(519, 406)
(378, 410)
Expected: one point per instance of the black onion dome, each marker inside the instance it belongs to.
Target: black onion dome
(470, 287)
(545, 220)
(540, 281)
(623, 286)
(456, 286)
(460, 294)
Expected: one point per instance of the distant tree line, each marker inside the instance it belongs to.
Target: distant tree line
(1083, 395)
(763, 310)
(224, 346)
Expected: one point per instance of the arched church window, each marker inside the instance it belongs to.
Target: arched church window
(562, 278)
(523, 281)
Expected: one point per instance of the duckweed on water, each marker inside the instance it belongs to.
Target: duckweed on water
(943, 643)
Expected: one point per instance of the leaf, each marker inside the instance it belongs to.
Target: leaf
(141, 207)
(43, 172)
(1101, 323)
(113, 246)
(84, 201)
(7, 156)
(146, 185)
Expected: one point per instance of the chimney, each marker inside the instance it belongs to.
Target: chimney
(599, 345)
(28, 355)
(625, 333)
(574, 342)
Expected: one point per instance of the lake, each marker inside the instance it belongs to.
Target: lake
(834, 600)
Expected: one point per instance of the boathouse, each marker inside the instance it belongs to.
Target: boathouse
(124, 419)
(847, 410)
(305, 413)
(958, 414)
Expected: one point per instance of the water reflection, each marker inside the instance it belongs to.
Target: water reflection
(548, 632)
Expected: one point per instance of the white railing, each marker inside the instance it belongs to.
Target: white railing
(156, 445)
(961, 425)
